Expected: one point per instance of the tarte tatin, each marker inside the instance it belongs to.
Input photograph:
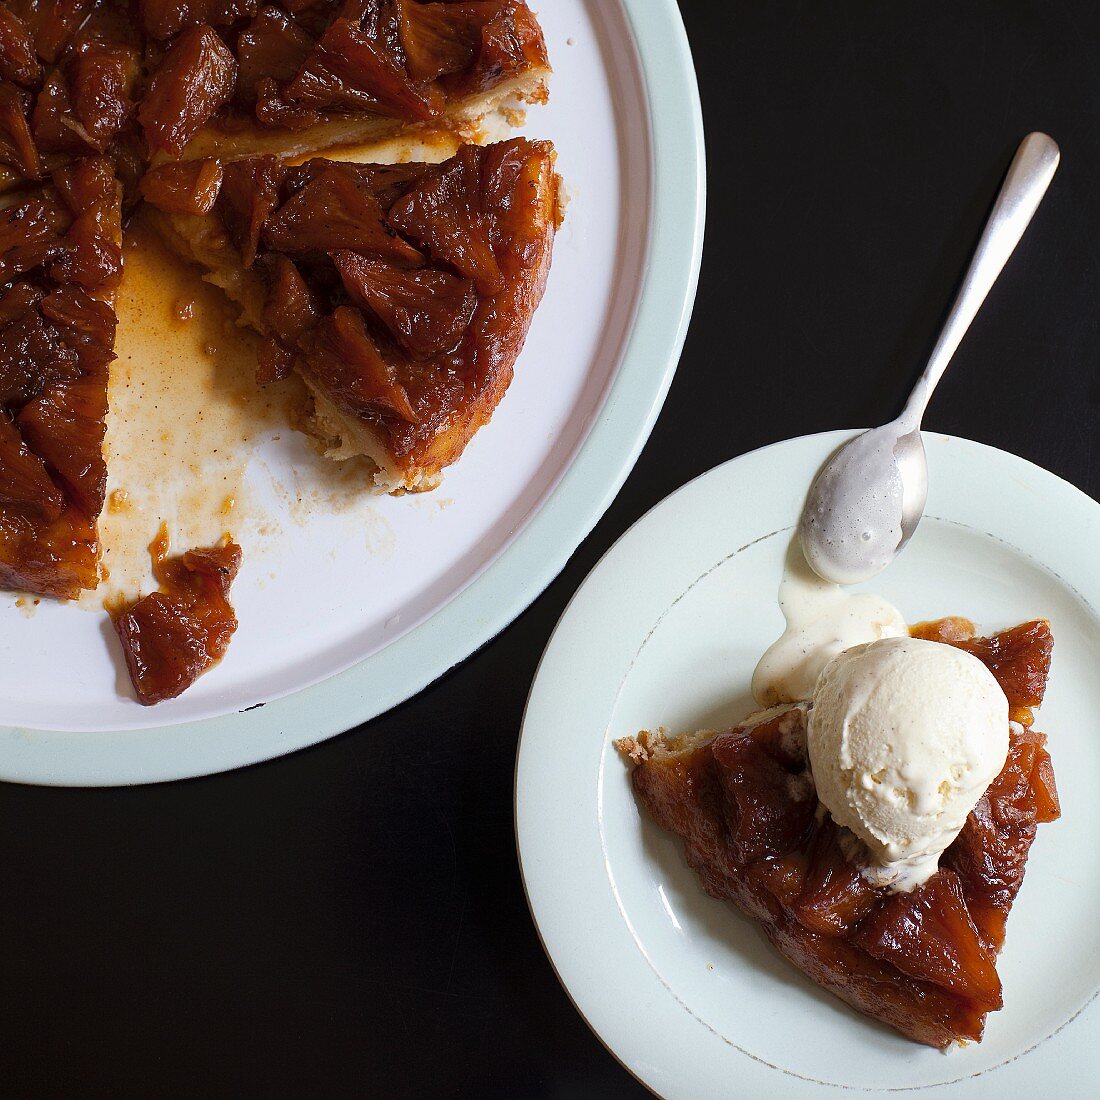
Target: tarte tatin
(401, 295)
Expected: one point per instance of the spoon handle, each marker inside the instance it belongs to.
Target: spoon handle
(1027, 181)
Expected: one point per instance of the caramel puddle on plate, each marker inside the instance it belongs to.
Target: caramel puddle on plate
(185, 414)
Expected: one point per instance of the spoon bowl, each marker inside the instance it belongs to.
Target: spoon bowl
(865, 504)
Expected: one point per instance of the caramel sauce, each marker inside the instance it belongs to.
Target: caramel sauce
(182, 420)
(186, 415)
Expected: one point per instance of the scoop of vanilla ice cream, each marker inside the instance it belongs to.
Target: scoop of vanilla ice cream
(905, 735)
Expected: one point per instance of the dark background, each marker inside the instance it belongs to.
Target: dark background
(350, 919)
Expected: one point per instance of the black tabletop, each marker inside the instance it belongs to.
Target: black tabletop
(350, 919)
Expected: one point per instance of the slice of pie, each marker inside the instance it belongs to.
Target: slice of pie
(401, 294)
(922, 962)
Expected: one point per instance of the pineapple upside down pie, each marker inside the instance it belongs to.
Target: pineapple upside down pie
(877, 831)
(401, 295)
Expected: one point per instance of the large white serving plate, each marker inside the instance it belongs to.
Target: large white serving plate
(665, 632)
(346, 615)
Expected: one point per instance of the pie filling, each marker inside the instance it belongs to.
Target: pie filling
(923, 962)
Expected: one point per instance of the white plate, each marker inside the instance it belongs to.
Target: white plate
(666, 631)
(347, 615)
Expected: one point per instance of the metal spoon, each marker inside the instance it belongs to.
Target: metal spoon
(865, 504)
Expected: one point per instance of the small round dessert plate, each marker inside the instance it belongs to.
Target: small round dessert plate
(350, 604)
(666, 631)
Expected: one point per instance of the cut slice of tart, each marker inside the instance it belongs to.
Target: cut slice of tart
(237, 78)
(60, 260)
(923, 962)
(401, 294)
